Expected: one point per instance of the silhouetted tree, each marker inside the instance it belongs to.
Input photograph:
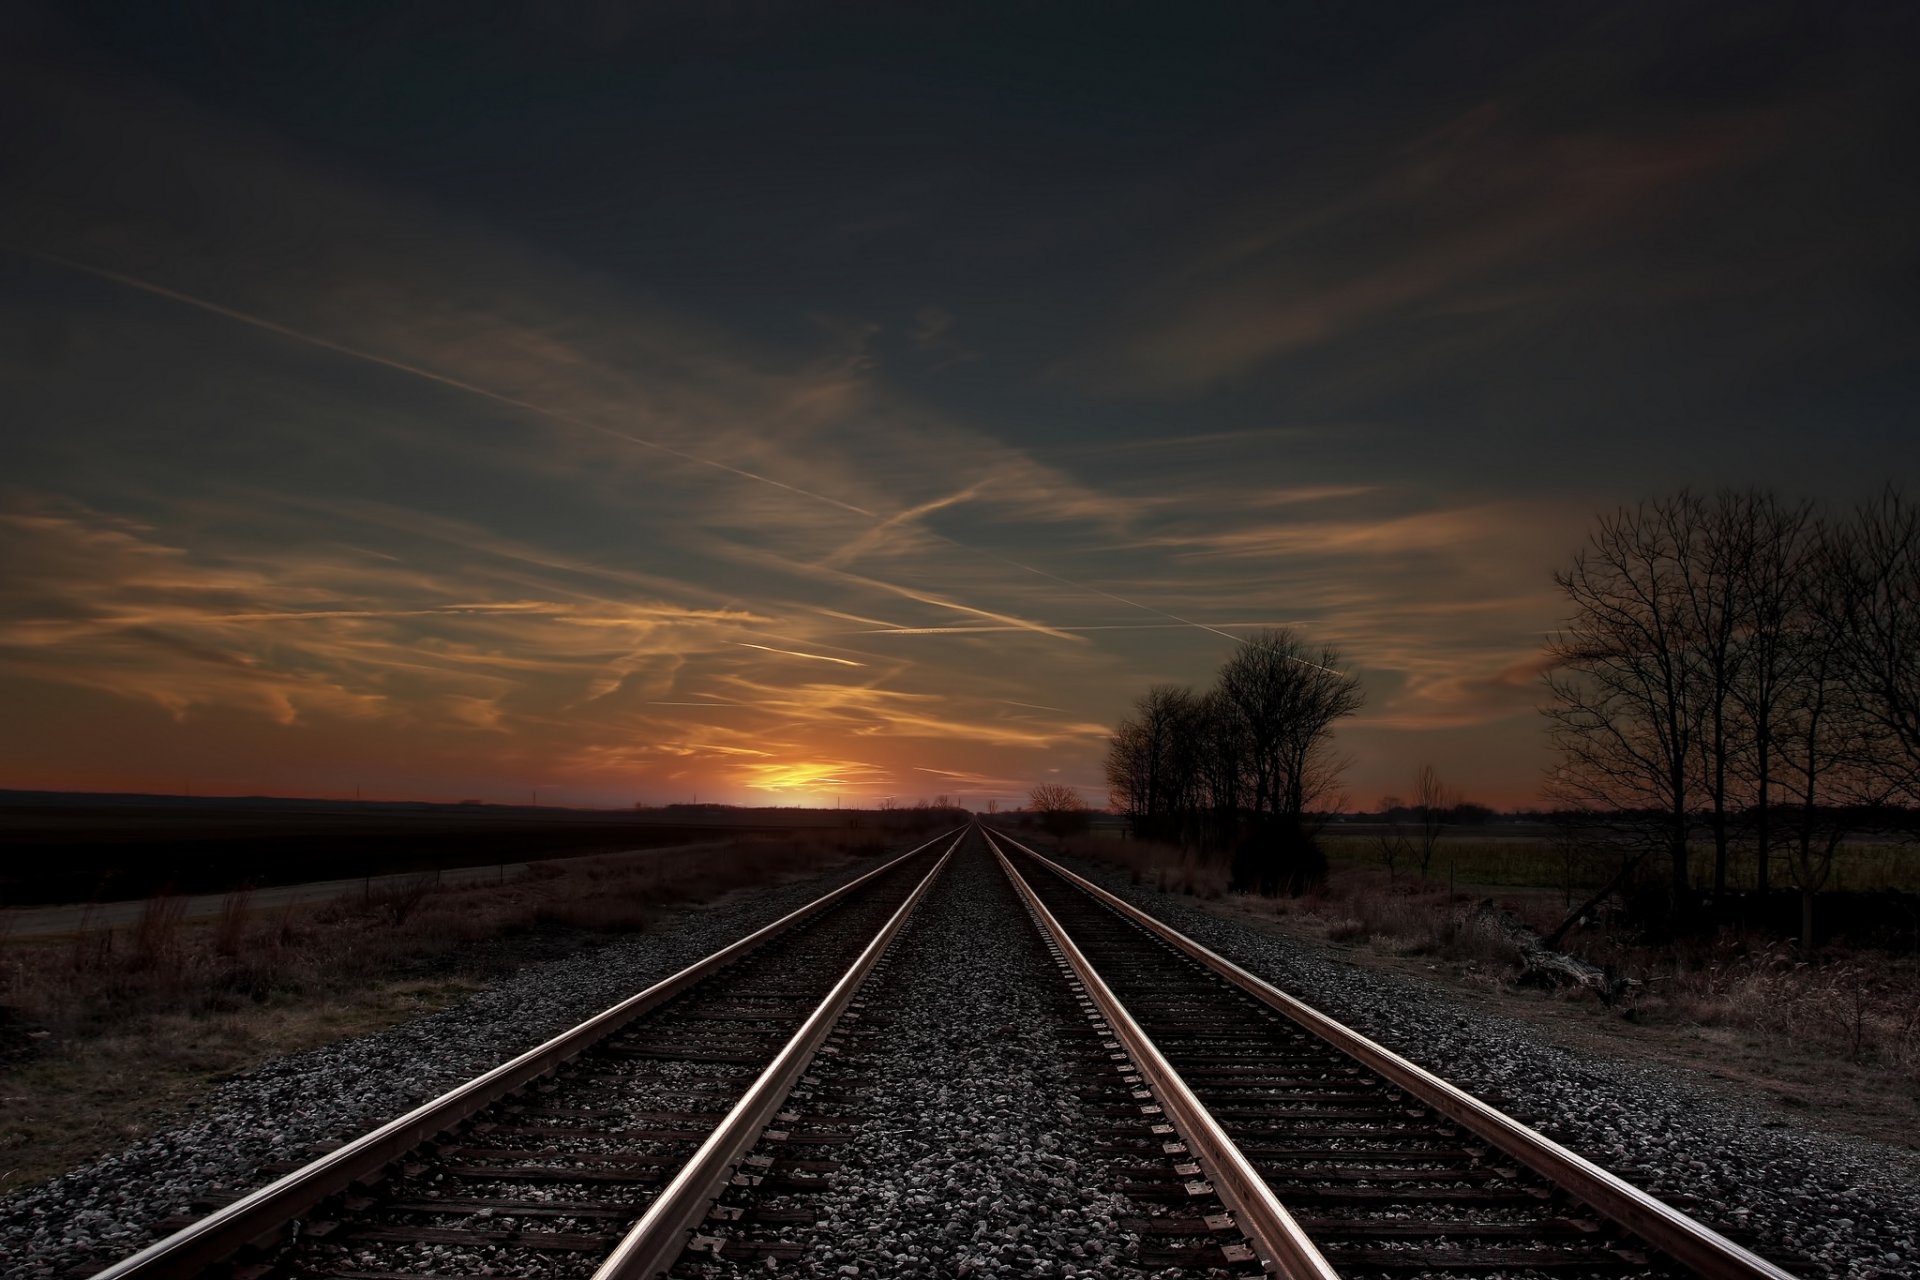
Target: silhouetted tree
(1623, 683)
(1223, 771)
(1414, 830)
(1716, 543)
(1392, 844)
(1239, 768)
(1816, 735)
(1784, 543)
(1876, 561)
(1283, 698)
(1736, 660)
(1432, 807)
(1060, 809)
(1153, 762)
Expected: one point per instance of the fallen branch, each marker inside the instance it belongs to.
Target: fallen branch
(1542, 966)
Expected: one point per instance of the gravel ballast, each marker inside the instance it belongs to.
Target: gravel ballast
(972, 1156)
(105, 1210)
(1848, 1204)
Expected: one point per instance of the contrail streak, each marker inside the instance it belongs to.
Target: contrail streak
(795, 653)
(582, 424)
(1074, 627)
(400, 366)
(1134, 604)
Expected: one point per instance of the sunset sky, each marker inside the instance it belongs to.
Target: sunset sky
(785, 402)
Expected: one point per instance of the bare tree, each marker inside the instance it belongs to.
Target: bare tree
(1392, 844)
(1283, 698)
(1242, 766)
(1414, 830)
(1153, 762)
(1062, 811)
(1785, 544)
(1747, 662)
(1223, 771)
(1623, 684)
(1129, 772)
(1877, 564)
(1715, 542)
(1817, 735)
(1432, 803)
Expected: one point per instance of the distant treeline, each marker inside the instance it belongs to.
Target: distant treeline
(1463, 814)
(1238, 771)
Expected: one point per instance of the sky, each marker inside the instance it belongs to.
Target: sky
(808, 403)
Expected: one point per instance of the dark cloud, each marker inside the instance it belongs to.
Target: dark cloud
(552, 390)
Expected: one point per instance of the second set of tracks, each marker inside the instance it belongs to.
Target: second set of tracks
(696, 1128)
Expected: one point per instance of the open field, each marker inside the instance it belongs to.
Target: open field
(106, 1032)
(1496, 858)
(21, 923)
(83, 848)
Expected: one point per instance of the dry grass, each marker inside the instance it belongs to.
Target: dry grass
(1856, 1007)
(1861, 1008)
(1164, 866)
(106, 1033)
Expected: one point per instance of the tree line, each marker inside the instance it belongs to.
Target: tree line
(1740, 669)
(1236, 771)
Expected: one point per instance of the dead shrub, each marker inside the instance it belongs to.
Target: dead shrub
(230, 929)
(157, 934)
(397, 902)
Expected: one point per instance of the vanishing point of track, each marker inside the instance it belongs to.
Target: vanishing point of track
(696, 1119)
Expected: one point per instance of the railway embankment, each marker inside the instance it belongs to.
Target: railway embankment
(1730, 1155)
(972, 1113)
(103, 1208)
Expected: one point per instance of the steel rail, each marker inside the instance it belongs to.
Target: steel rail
(656, 1242)
(257, 1217)
(1685, 1239)
(1284, 1248)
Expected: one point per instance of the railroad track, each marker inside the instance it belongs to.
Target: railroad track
(593, 1154)
(692, 1128)
(1335, 1156)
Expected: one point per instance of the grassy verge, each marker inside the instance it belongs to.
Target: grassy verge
(108, 1034)
(1837, 1031)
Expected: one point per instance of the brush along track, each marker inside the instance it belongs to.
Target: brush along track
(1337, 1156)
(537, 1168)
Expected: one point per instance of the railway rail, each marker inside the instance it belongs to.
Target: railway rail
(537, 1166)
(686, 1129)
(1336, 1155)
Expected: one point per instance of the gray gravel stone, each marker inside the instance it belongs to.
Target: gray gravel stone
(1849, 1204)
(971, 1141)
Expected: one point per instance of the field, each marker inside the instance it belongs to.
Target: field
(70, 848)
(1529, 859)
